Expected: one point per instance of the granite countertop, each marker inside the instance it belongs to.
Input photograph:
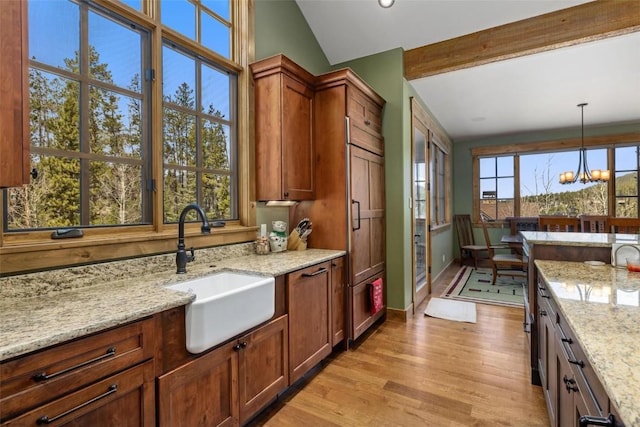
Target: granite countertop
(38, 310)
(602, 306)
(578, 239)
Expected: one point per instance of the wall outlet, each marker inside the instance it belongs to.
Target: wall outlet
(443, 258)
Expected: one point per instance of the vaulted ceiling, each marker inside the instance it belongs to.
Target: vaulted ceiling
(496, 67)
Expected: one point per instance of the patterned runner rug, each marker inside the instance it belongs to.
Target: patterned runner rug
(471, 284)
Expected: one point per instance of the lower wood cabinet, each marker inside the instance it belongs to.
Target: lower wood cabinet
(228, 385)
(338, 300)
(105, 379)
(360, 297)
(309, 308)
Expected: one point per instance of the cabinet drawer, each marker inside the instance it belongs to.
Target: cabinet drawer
(40, 377)
(581, 366)
(124, 399)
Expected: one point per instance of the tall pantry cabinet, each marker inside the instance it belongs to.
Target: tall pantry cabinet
(348, 212)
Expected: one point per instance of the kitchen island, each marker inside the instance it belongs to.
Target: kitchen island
(601, 305)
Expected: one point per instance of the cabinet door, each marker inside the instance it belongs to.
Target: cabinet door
(123, 400)
(308, 296)
(263, 366)
(367, 214)
(201, 392)
(14, 87)
(564, 384)
(297, 141)
(546, 354)
(360, 300)
(338, 295)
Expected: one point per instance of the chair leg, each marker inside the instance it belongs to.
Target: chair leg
(495, 274)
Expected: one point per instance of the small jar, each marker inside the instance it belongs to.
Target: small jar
(262, 246)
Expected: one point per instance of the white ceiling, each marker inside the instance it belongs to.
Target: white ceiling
(534, 92)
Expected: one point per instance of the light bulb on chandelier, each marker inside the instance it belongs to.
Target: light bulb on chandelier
(583, 174)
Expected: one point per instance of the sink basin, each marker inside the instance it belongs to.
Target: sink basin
(227, 304)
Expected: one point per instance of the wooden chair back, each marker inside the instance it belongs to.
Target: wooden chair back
(594, 223)
(464, 229)
(558, 223)
(487, 239)
(625, 225)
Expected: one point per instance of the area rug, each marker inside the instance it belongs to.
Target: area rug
(448, 309)
(472, 284)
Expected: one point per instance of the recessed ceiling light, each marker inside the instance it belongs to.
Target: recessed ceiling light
(386, 3)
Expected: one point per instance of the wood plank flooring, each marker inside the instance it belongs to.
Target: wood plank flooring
(426, 372)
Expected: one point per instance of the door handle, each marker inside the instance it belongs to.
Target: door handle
(353, 202)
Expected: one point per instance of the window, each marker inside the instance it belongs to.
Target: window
(136, 110)
(89, 101)
(626, 173)
(497, 187)
(198, 135)
(527, 183)
(438, 171)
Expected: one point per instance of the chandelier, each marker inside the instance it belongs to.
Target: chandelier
(583, 174)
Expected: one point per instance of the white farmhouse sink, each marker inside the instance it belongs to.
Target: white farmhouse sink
(226, 304)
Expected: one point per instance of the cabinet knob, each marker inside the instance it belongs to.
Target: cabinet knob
(543, 313)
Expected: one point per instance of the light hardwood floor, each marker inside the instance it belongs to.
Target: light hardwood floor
(426, 372)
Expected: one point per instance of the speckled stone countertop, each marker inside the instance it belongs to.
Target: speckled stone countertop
(602, 306)
(578, 239)
(38, 310)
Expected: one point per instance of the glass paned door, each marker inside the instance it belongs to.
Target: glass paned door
(420, 209)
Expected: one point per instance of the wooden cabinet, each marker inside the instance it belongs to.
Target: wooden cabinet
(284, 111)
(349, 210)
(89, 381)
(228, 385)
(14, 94)
(308, 304)
(338, 299)
(547, 364)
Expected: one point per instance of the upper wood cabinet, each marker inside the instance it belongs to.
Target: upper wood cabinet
(284, 130)
(14, 94)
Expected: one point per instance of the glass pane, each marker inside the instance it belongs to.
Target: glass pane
(421, 209)
(115, 122)
(506, 188)
(220, 7)
(215, 93)
(627, 207)
(626, 158)
(505, 208)
(626, 183)
(505, 166)
(487, 167)
(488, 188)
(179, 191)
(178, 78)
(215, 35)
(55, 113)
(216, 146)
(47, 43)
(180, 15)
(115, 194)
(115, 52)
(50, 200)
(216, 196)
(179, 138)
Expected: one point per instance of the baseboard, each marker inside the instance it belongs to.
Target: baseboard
(399, 315)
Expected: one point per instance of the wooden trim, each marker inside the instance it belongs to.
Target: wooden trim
(556, 145)
(587, 22)
(398, 315)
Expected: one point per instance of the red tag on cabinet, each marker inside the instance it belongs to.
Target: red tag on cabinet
(377, 299)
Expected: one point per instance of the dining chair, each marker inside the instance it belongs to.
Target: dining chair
(625, 225)
(594, 224)
(558, 223)
(469, 250)
(503, 263)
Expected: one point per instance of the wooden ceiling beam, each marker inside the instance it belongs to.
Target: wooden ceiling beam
(579, 24)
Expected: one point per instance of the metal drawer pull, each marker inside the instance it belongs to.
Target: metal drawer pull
(367, 122)
(587, 420)
(42, 376)
(46, 420)
(577, 362)
(353, 202)
(567, 340)
(320, 271)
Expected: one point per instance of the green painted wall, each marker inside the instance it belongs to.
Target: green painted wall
(280, 27)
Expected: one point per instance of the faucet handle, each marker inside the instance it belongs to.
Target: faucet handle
(191, 257)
